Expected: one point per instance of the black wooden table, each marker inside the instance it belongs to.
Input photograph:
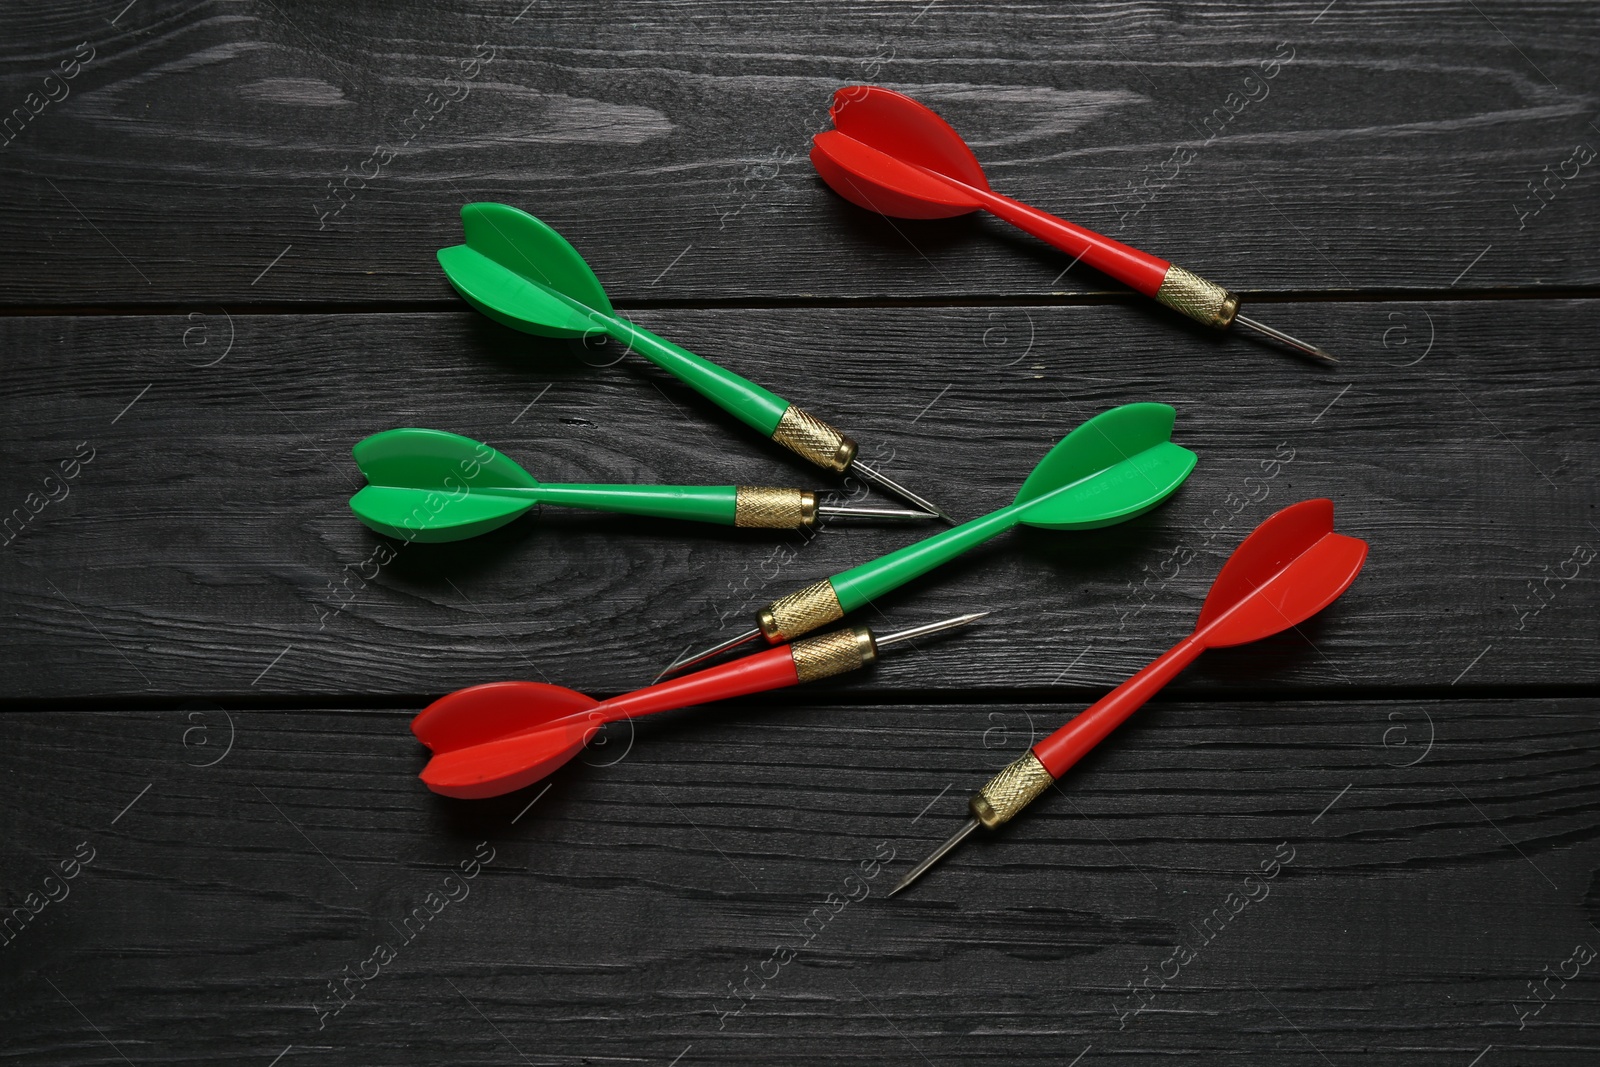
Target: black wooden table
(219, 225)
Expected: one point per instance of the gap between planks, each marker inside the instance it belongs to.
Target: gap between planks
(973, 300)
(399, 702)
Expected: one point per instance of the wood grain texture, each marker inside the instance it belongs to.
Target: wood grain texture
(208, 547)
(219, 274)
(202, 144)
(620, 906)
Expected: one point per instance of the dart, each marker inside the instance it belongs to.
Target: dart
(1290, 567)
(1116, 466)
(889, 154)
(431, 486)
(497, 738)
(525, 275)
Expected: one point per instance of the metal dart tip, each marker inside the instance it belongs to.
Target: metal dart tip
(1293, 342)
(937, 854)
(836, 511)
(884, 482)
(683, 663)
(927, 628)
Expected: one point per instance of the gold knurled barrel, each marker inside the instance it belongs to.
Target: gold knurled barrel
(1203, 301)
(835, 653)
(799, 613)
(756, 506)
(810, 438)
(1010, 791)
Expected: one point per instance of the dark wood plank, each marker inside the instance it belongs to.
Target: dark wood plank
(206, 547)
(200, 145)
(1443, 855)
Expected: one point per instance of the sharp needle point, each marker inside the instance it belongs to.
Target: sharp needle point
(928, 628)
(937, 854)
(1292, 342)
(836, 511)
(683, 663)
(899, 490)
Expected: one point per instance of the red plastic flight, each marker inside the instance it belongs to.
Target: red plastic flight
(500, 737)
(889, 154)
(1291, 567)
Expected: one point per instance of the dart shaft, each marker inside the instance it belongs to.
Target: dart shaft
(830, 599)
(1141, 271)
(795, 429)
(696, 503)
(1016, 786)
(743, 399)
(862, 584)
(773, 668)
(782, 422)
(776, 668)
(1089, 727)
(1182, 290)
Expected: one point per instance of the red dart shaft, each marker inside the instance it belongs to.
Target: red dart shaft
(1089, 727)
(1140, 270)
(772, 669)
(805, 660)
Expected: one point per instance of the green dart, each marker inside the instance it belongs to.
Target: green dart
(428, 485)
(524, 275)
(1119, 464)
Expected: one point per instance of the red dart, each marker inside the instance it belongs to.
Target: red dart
(1291, 567)
(498, 738)
(889, 154)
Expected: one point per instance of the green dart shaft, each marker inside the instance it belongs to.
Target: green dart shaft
(862, 584)
(832, 598)
(761, 409)
(695, 503)
(738, 396)
(792, 427)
